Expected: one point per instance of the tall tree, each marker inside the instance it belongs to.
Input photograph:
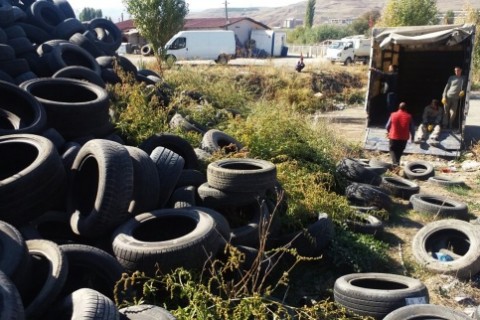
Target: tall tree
(88, 14)
(157, 20)
(366, 21)
(409, 13)
(310, 13)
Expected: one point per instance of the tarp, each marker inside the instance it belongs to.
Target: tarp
(443, 34)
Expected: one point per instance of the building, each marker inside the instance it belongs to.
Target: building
(292, 23)
(241, 26)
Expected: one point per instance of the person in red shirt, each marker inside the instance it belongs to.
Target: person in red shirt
(400, 128)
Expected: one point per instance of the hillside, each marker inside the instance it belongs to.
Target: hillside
(325, 10)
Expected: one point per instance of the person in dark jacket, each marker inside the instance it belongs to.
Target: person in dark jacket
(390, 81)
(400, 128)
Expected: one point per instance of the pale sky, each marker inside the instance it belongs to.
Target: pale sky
(114, 8)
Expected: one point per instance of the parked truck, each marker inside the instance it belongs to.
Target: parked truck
(425, 57)
(218, 45)
(272, 42)
(349, 50)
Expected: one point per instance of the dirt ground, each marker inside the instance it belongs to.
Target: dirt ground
(400, 230)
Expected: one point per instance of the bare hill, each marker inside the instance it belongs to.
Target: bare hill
(325, 10)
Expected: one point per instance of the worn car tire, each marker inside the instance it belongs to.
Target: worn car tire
(421, 170)
(10, 300)
(167, 239)
(437, 205)
(355, 171)
(426, 311)
(80, 73)
(377, 294)
(175, 143)
(368, 195)
(215, 140)
(84, 303)
(146, 312)
(146, 185)
(101, 188)
(90, 267)
(445, 181)
(51, 268)
(365, 223)
(169, 167)
(400, 187)
(214, 198)
(241, 175)
(459, 237)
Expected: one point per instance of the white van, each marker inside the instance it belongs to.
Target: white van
(218, 45)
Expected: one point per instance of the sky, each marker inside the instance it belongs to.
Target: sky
(114, 8)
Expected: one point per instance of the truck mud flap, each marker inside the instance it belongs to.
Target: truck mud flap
(449, 144)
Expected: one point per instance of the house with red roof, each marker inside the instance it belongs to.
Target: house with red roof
(242, 27)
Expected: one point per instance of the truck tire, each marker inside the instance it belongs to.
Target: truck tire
(460, 238)
(348, 61)
(377, 294)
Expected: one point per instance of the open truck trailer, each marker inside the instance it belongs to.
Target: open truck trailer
(425, 57)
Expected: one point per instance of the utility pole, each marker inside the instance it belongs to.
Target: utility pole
(226, 13)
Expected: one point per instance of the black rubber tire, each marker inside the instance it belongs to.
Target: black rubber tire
(146, 312)
(22, 104)
(146, 50)
(6, 14)
(54, 136)
(170, 238)
(45, 15)
(90, 267)
(74, 108)
(32, 177)
(86, 43)
(241, 175)
(437, 205)
(13, 250)
(459, 237)
(174, 143)
(101, 188)
(202, 155)
(65, 7)
(80, 73)
(368, 195)
(183, 197)
(421, 170)
(179, 122)
(84, 303)
(215, 140)
(10, 300)
(35, 34)
(355, 171)
(365, 223)
(312, 241)
(21, 45)
(377, 294)
(3, 36)
(5, 77)
(51, 268)
(14, 31)
(400, 187)
(148, 72)
(108, 27)
(169, 167)
(214, 198)
(15, 67)
(146, 185)
(29, 75)
(426, 311)
(245, 222)
(69, 54)
(67, 28)
(191, 177)
(445, 181)
(6, 52)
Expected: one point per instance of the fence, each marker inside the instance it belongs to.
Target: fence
(308, 51)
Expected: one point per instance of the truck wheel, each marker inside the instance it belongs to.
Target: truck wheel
(348, 61)
(222, 59)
